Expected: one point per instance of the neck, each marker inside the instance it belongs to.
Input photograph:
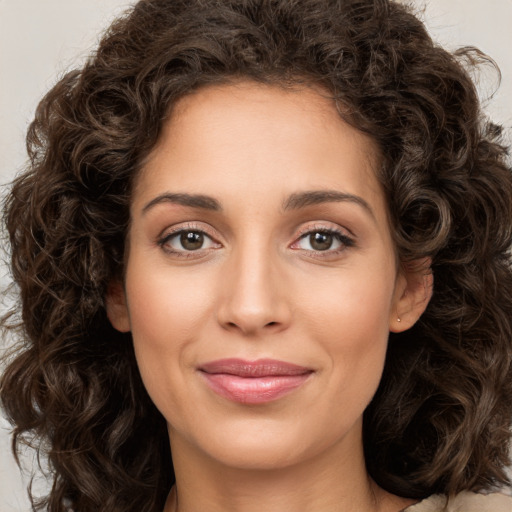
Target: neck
(333, 481)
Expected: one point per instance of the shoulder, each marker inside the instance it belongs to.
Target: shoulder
(464, 502)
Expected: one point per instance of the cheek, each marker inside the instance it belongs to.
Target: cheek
(168, 312)
(354, 303)
(349, 318)
(165, 306)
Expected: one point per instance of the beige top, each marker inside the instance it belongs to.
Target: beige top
(465, 502)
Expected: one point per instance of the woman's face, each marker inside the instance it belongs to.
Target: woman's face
(261, 279)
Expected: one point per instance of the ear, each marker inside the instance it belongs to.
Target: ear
(117, 309)
(413, 291)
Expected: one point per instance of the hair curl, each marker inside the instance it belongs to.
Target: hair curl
(440, 421)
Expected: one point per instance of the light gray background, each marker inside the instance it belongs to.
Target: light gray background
(41, 39)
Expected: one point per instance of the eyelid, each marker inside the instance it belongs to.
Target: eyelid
(345, 236)
(173, 231)
(184, 226)
(325, 227)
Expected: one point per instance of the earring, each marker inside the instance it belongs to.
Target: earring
(398, 319)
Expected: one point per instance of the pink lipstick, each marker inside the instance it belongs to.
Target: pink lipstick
(253, 382)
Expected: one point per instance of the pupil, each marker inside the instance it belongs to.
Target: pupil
(321, 241)
(191, 240)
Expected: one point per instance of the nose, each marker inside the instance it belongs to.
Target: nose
(255, 296)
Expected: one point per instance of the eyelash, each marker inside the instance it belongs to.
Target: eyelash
(188, 228)
(345, 241)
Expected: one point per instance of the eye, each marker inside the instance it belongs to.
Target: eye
(323, 240)
(187, 240)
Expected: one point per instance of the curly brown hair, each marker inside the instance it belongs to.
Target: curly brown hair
(440, 421)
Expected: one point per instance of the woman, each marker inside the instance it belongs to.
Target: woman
(271, 239)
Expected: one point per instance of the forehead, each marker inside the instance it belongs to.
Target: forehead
(260, 136)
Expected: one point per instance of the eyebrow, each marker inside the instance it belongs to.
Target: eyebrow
(314, 197)
(190, 200)
(295, 201)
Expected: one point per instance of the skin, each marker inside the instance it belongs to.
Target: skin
(259, 287)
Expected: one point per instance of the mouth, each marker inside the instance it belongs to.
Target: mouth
(253, 382)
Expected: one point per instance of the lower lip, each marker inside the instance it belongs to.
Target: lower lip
(253, 390)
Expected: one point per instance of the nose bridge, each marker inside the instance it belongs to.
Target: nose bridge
(254, 297)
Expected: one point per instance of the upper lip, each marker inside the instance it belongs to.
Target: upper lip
(258, 368)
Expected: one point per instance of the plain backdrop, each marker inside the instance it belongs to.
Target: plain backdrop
(41, 39)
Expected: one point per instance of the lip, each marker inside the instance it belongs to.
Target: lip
(253, 382)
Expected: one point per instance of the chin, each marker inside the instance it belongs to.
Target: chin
(257, 455)
(264, 444)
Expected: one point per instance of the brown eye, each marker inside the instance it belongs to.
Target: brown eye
(320, 241)
(187, 241)
(323, 240)
(191, 240)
